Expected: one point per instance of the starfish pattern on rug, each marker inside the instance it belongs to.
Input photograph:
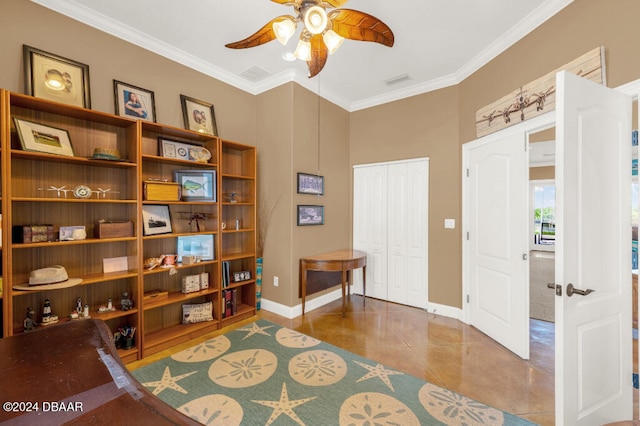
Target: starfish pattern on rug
(255, 329)
(284, 406)
(168, 382)
(377, 371)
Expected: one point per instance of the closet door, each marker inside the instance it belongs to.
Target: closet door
(407, 229)
(370, 226)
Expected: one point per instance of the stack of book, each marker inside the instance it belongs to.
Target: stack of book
(230, 298)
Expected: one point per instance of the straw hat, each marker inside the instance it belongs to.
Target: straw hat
(49, 279)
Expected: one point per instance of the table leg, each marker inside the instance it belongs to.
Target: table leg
(344, 282)
(364, 284)
(303, 279)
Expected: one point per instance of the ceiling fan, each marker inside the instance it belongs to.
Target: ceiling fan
(325, 28)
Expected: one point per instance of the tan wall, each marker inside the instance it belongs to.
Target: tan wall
(422, 126)
(437, 123)
(431, 125)
(109, 58)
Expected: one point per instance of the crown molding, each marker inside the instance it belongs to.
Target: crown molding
(73, 9)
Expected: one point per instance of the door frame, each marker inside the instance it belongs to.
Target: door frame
(535, 124)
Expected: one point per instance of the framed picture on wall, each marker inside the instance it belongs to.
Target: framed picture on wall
(53, 77)
(134, 102)
(310, 215)
(198, 116)
(310, 184)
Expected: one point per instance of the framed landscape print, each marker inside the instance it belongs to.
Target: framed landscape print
(56, 78)
(310, 184)
(198, 116)
(134, 102)
(41, 138)
(310, 215)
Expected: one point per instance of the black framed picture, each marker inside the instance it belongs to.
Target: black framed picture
(134, 102)
(53, 77)
(198, 116)
(197, 185)
(156, 219)
(310, 184)
(310, 215)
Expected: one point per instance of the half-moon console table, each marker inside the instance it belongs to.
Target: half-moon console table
(339, 260)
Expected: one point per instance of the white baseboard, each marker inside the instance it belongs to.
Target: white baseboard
(445, 311)
(315, 303)
(296, 311)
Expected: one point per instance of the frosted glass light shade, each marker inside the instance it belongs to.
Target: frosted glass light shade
(332, 40)
(303, 51)
(315, 20)
(284, 30)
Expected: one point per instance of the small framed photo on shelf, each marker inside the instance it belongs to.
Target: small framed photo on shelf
(310, 215)
(183, 151)
(55, 78)
(200, 246)
(134, 102)
(197, 185)
(40, 138)
(241, 276)
(156, 219)
(198, 116)
(310, 184)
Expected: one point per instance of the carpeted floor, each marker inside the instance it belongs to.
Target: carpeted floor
(541, 298)
(263, 373)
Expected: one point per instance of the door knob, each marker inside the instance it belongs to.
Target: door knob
(571, 290)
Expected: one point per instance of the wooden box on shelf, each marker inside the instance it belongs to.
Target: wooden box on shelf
(110, 229)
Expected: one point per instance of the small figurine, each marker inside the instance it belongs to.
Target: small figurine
(47, 316)
(79, 305)
(46, 311)
(29, 323)
(126, 303)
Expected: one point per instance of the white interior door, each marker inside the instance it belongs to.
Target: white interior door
(391, 222)
(408, 206)
(497, 270)
(370, 227)
(593, 179)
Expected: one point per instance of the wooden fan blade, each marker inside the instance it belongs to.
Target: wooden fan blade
(262, 36)
(288, 2)
(336, 3)
(319, 54)
(356, 25)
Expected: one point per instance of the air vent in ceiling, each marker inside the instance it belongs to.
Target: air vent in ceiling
(397, 79)
(254, 74)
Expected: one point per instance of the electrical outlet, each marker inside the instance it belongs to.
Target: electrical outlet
(276, 281)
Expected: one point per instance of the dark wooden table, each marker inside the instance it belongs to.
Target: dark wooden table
(73, 373)
(339, 260)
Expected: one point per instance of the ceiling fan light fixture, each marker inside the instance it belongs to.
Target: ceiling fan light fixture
(303, 51)
(315, 19)
(284, 30)
(332, 40)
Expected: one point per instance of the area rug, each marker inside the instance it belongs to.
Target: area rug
(263, 374)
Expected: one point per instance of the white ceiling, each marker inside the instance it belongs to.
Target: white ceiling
(438, 43)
